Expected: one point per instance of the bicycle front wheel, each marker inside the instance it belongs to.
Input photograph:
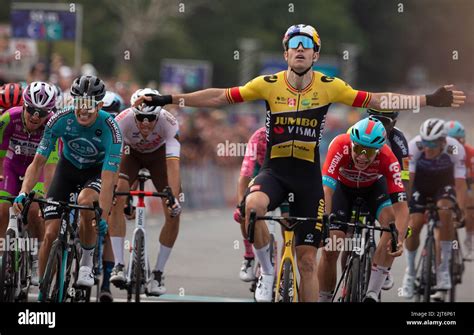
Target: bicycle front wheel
(352, 283)
(138, 263)
(8, 273)
(52, 281)
(286, 289)
(428, 273)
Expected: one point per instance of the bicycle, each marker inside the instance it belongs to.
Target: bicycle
(286, 289)
(138, 270)
(356, 273)
(15, 273)
(426, 267)
(64, 257)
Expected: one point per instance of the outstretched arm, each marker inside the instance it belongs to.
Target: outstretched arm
(211, 97)
(445, 96)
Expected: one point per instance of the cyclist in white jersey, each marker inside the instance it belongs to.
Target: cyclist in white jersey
(151, 141)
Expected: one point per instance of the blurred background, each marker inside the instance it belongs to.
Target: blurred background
(183, 46)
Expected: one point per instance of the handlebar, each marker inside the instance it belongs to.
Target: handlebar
(291, 222)
(167, 193)
(30, 198)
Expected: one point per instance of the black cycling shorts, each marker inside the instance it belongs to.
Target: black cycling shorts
(420, 199)
(68, 180)
(375, 198)
(305, 197)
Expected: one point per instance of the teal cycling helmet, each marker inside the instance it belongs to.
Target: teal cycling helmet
(369, 132)
(455, 129)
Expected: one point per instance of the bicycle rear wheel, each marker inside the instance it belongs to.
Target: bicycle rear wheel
(138, 263)
(49, 288)
(8, 273)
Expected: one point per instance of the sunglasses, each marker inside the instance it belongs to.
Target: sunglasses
(33, 111)
(143, 117)
(431, 144)
(305, 41)
(361, 150)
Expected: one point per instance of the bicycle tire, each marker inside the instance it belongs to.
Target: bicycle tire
(352, 283)
(53, 268)
(285, 282)
(26, 261)
(427, 269)
(456, 270)
(72, 271)
(8, 275)
(367, 267)
(139, 256)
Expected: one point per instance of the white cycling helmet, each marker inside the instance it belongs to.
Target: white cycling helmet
(143, 108)
(432, 129)
(39, 94)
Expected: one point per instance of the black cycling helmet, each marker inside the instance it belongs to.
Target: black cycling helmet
(88, 86)
(388, 118)
(391, 114)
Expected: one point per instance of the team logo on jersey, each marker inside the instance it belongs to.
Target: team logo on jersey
(83, 147)
(270, 79)
(291, 102)
(278, 130)
(98, 132)
(327, 79)
(305, 102)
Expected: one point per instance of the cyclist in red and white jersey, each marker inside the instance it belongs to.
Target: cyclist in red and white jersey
(354, 167)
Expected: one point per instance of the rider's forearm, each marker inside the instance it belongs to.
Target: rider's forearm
(328, 193)
(242, 187)
(402, 215)
(48, 172)
(461, 192)
(106, 192)
(211, 97)
(172, 165)
(386, 101)
(33, 173)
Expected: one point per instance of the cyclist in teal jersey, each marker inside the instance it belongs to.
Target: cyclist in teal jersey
(90, 159)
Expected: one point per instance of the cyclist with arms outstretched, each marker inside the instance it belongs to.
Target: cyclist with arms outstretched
(297, 101)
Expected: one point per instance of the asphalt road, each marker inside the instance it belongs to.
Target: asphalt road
(205, 262)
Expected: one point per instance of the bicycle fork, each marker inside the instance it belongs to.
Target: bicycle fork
(139, 225)
(287, 256)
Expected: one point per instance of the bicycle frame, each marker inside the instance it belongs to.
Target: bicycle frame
(140, 218)
(360, 253)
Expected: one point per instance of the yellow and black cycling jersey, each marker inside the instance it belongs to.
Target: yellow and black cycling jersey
(295, 118)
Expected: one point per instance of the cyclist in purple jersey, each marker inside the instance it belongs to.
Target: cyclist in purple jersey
(21, 130)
